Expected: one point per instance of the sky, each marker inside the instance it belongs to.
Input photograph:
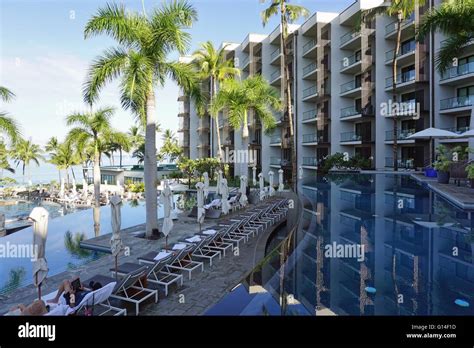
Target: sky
(44, 57)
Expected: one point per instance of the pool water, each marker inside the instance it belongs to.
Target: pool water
(369, 245)
(62, 245)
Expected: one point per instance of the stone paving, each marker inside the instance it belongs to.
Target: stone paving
(204, 290)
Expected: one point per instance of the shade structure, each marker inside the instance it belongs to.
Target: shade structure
(281, 186)
(167, 200)
(85, 190)
(206, 184)
(261, 186)
(225, 197)
(433, 133)
(201, 213)
(61, 190)
(40, 217)
(74, 189)
(300, 172)
(271, 190)
(243, 191)
(219, 179)
(467, 134)
(254, 175)
(116, 220)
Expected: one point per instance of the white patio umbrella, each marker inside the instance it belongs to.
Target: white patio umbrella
(116, 220)
(74, 190)
(167, 200)
(243, 190)
(281, 186)
(271, 190)
(261, 184)
(219, 179)
(225, 197)
(254, 175)
(201, 212)
(61, 190)
(85, 189)
(433, 133)
(206, 184)
(467, 134)
(300, 172)
(39, 216)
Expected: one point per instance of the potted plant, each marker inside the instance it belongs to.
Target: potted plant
(470, 173)
(443, 164)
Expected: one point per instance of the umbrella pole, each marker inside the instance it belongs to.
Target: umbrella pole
(39, 287)
(166, 242)
(116, 266)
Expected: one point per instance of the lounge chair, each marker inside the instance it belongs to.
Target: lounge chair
(129, 288)
(217, 243)
(202, 249)
(157, 272)
(185, 261)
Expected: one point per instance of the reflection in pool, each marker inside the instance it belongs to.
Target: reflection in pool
(418, 253)
(62, 246)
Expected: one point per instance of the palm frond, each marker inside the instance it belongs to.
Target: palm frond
(5, 94)
(10, 127)
(269, 12)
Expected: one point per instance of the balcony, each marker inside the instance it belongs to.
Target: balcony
(275, 78)
(275, 161)
(408, 108)
(391, 29)
(310, 94)
(275, 140)
(456, 104)
(203, 126)
(353, 138)
(459, 74)
(406, 54)
(310, 71)
(310, 139)
(309, 49)
(246, 63)
(183, 125)
(351, 64)
(310, 116)
(351, 89)
(402, 135)
(350, 40)
(353, 112)
(407, 163)
(275, 57)
(403, 80)
(310, 162)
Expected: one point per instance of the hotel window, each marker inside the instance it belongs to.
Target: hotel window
(466, 91)
(463, 123)
(109, 178)
(408, 74)
(408, 46)
(466, 60)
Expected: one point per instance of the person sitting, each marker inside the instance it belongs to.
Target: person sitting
(74, 291)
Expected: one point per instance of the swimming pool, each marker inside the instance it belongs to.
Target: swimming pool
(369, 245)
(62, 245)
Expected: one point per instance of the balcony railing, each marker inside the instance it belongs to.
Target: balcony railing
(349, 36)
(457, 102)
(308, 115)
(352, 111)
(458, 130)
(275, 54)
(408, 163)
(245, 61)
(309, 68)
(401, 134)
(310, 91)
(390, 28)
(351, 60)
(276, 139)
(349, 86)
(457, 71)
(310, 161)
(405, 77)
(275, 75)
(310, 138)
(309, 45)
(353, 136)
(411, 47)
(275, 161)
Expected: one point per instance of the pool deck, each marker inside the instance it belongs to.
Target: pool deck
(461, 196)
(193, 298)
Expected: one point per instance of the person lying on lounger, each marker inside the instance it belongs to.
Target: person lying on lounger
(36, 308)
(74, 291)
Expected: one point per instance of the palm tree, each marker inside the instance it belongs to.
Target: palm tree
(24, 152)
(254, 94)
(64, 157)
(170, 147)
(139, 153)
(136, 137)
(212, 65)
(4, 164)
(288, 13)
(120, 143)
(453, 19)
(92, 132)
(52, 147)
(401, 9)
(141, 62)
(168, 135)
(7, 124)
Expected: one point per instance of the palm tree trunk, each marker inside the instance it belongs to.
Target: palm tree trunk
(245, 129)
(73, 174)
(218, 131)
(96, 191)
(23, 173)
(394, 96)
(150, 166)
(287, 93)
(120, 150)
